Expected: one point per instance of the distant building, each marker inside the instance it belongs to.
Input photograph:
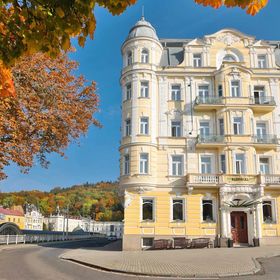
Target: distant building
(61, 223)
(108, 228)
(33, 218)
(12, 216)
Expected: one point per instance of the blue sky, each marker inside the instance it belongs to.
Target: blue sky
(97, 158)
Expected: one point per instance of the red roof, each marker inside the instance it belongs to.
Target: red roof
(7, 211)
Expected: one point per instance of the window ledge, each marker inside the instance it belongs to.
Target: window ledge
(141, 135)
(176, 176)
(140, 174)
(140, 97)
(207, 223)
(179, 101)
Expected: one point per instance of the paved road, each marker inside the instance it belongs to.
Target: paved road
(42, 262)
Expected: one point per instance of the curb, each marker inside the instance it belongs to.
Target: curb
(257, 270)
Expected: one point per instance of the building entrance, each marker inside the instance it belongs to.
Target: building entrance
(239, 227)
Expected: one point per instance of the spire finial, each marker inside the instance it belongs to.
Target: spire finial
(143, 13)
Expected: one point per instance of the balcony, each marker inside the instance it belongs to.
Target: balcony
(210, 140)
(208, 103)
(212, 180)
(260, 104)
(266, 141)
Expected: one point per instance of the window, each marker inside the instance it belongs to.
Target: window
(145, 56)
(147, 242)
(129, 58)
(264, 165)
(235, 89)
(203, 92)
(221, 127)
(144, 125)
(126, 164)
(144, 90)
(197, 60)
(128, 91)
(176, 129)
(237, 126)
(262, 61)
(147, 209)
(268, 211)
(207, 210)
(229, 58)
(223, 163)
(220, 90)
(144, 161)
(261, 131)
(205, 165)
(204, 129)
(177, 165)
(259, 94)
(128, 127)
(177, 209)
(239, 163)
(112, 227)
(176, 92)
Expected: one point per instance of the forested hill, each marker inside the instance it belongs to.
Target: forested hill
(100, 201)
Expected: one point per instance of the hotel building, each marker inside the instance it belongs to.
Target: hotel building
(200, 138)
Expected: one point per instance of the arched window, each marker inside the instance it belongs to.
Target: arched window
(129, 57)
(207, 210)
(268, 213)
(147, 209)
(229, 58)
(145, 56)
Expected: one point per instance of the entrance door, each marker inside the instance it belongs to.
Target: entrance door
(239, 227)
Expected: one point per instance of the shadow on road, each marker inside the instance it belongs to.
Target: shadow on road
(86, 244)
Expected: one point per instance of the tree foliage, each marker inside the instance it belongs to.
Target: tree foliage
(52, 108)
(30, 26)
(99, 201)
(252, 6)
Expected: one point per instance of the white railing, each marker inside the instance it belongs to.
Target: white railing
(206, 179)
(12, 239)
(37, 238)
(271, 179)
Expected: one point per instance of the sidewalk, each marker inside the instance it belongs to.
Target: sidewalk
(216, 262)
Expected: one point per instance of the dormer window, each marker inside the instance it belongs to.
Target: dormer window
(262, 61)
(229, 58)
(145, 56)
(197, 60)
(129, 58)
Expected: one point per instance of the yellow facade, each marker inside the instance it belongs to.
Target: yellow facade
(12, 216)
(200, 127)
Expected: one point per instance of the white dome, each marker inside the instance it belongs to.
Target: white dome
(142, 29)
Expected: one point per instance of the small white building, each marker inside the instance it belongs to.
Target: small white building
(33, 218)
(110, 229)
(61, 223)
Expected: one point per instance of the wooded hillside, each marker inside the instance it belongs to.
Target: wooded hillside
(100, 201)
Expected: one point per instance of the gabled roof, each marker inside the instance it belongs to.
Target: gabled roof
(7, 211)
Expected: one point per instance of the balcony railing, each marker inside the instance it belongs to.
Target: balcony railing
(217, 100)
(208, 100)
(233, 179)
(265, 139)
(271, 179)
(264, 100)
(210, 138)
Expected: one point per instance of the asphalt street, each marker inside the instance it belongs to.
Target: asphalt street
(43, 263)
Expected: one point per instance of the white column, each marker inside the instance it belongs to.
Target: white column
(223, 223)
(135, 94)
(258, 221)
(162, 106)
(154, 120)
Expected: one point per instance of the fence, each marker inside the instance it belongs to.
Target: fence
(15, 239)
